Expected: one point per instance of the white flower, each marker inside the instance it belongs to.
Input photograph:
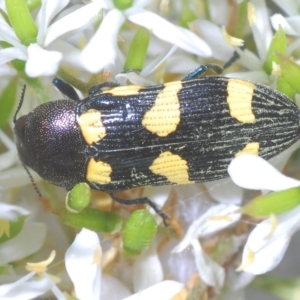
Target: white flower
(289, 24)
(211, 272)
(214, 220)
(290, 7)
(12, 212)
(83, 260)
(29, 287)
(262, 33)
(166, 289)
(103, 44)
(44, 56)
(147, 269)
(29, 240)
(25, 288)
(269, 240)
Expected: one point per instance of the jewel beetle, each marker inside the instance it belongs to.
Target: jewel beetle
(182, 132)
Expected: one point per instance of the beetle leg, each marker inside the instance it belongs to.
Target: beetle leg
(65, 88)
(200, 70)
(143, 200)
(97, 89)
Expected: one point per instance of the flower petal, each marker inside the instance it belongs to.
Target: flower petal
(48, 10)
(212, 34)
(134, 78)
(261, 28)
(27, 242)
(253, 172)
(156, 62)
(210, 272)
(215, 219)
(12, 212)
(291, 7)
(259, 256)
(71, 55)
(278, 20)
(83, 264)
(25, 288)
(42, 62)
(113, 289)
(164, 290)
(102, 49)
(73, 21)
(147, 269)
(9, 54)
(8, 159)
(175, 35)
(15, 177)
(8, 35)
(225, 191)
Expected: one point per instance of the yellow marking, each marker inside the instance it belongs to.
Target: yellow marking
(251, 148)
(127, 90)
(164, 116)
(239, 99)
(171, 166)
(98, 171)
(91, 126)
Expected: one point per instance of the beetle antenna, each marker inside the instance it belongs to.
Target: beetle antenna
(20, 104)
(32, 181)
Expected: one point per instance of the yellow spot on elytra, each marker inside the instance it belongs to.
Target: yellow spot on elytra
(91, 126)
(98, 171)
(4, 227)
(171, 166)
(126, 90)
(239, 99)
(42, 265)
(164, 116)
(251, 148)
(248, 261)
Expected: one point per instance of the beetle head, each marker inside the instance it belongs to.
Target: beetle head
(49, 141)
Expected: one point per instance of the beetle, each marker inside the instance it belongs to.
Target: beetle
(181, 132)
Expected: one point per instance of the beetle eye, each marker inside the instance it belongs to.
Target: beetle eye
(20, 127)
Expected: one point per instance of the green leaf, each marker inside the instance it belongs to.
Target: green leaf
(21, 21)
(283, 288)
(284, 87)
(7, 101)
(272, 203)
(93, 219)
(241, 21)
(15, 228)
(123, 4)
(278, 46)
(290, 72)
(138, 50)
(187, 15)
(33, 4)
